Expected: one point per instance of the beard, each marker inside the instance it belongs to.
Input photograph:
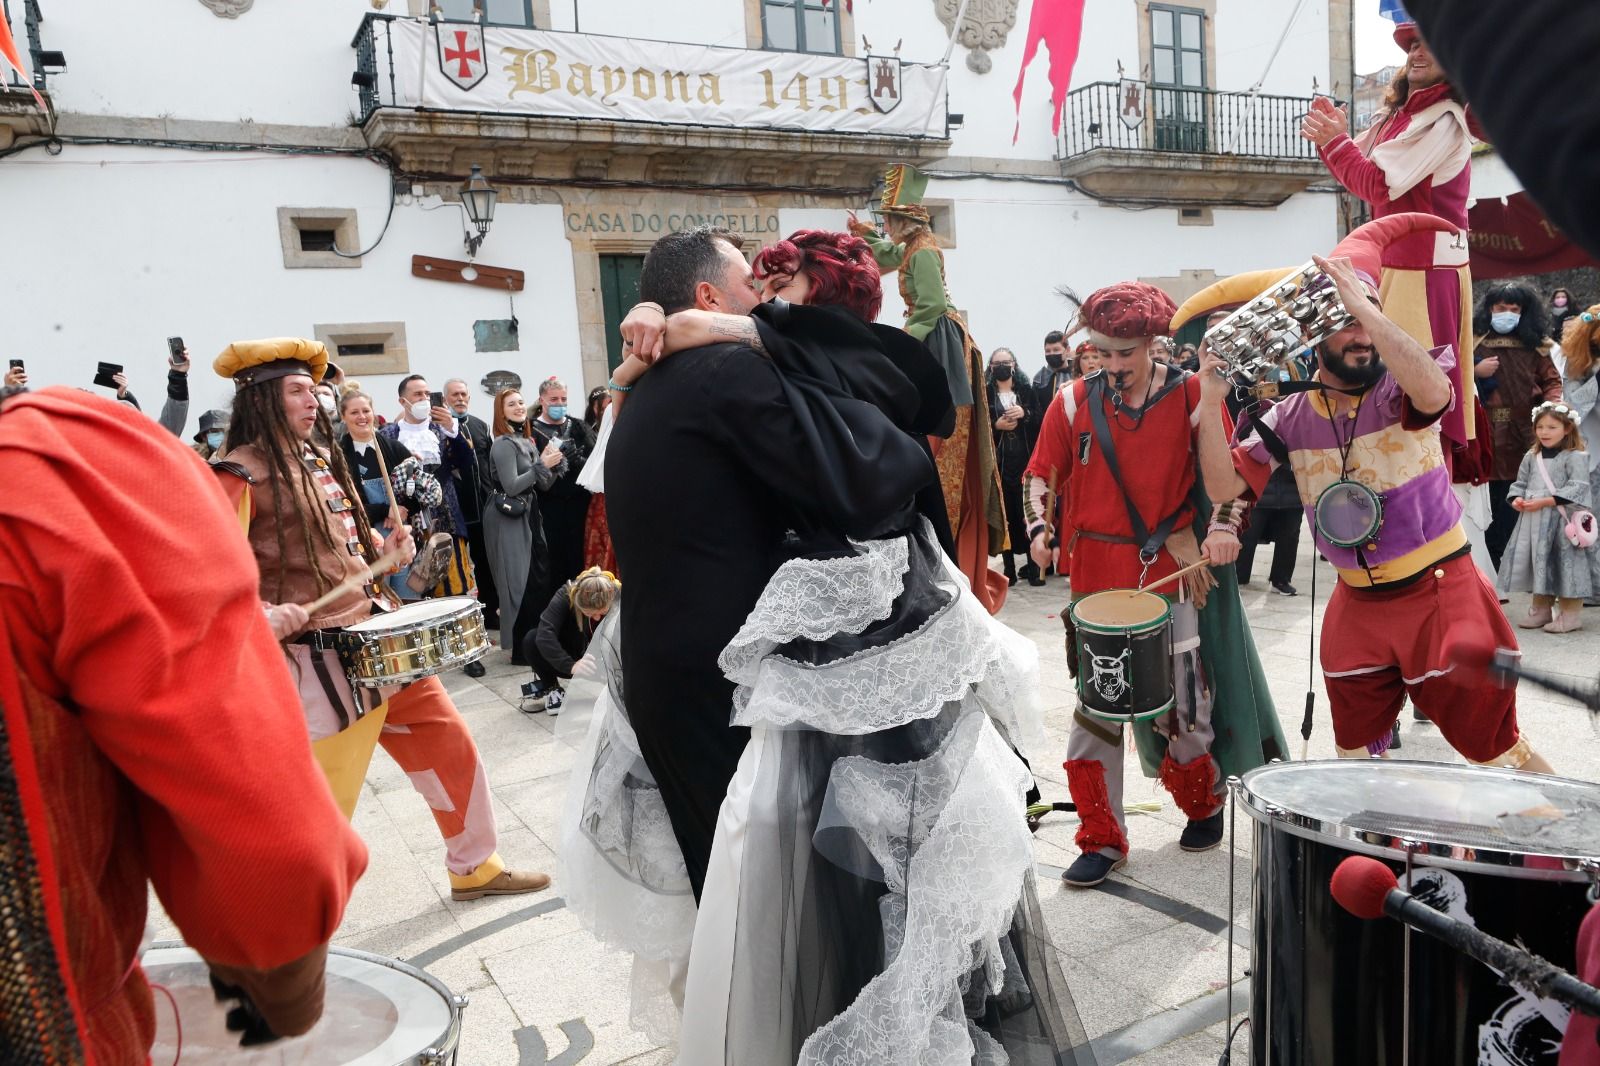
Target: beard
(1122, 380)
(1343, 364)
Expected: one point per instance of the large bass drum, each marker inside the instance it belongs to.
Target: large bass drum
(1506, 851)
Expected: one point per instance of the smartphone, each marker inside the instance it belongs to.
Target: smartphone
(16, 364)
(176, 346)
(104, 375)
(436, 399)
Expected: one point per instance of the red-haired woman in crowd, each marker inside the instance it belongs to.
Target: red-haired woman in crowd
(872, 865)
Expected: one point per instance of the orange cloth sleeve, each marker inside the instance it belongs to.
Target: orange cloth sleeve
(132, 598)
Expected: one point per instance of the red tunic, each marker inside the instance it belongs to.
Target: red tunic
(167, 743)
(1157, 458)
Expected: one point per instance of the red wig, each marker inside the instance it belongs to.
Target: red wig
(840, 266)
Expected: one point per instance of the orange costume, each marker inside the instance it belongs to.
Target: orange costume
(151, 735)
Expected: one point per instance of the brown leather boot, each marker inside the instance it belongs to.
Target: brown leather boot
(506, 883)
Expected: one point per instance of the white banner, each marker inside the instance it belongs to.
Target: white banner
(465, 67)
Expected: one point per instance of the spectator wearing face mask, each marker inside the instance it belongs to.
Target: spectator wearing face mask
(213, 428)
(1056, 372)
(1511, 361)
(1014, 407)
(1561, 309)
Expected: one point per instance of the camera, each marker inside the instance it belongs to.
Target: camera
(530, 689)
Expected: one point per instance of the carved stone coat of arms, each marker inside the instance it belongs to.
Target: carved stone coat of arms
(983, 28)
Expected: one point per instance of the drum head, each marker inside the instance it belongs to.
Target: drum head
(422, 611)
(378, 1012)
(1348, 514)
(1119, 609)
(1461, 814)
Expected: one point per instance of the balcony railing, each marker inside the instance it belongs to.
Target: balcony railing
(1135, 117)
(30, 25)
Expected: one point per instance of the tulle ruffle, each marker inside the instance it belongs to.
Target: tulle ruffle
(882, 686)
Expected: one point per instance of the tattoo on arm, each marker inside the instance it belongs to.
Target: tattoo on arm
(738, 329)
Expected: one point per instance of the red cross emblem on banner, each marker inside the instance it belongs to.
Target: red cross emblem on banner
(461, 53)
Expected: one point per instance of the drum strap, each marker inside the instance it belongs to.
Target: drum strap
(1149, 541)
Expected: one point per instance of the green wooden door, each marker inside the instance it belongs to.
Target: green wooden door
(619, 291)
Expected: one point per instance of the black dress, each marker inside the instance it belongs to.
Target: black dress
(869, 895)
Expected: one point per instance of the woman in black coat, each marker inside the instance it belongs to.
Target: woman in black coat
(1015, 407)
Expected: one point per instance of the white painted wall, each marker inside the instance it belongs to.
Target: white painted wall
(134, 245)
(283, 61)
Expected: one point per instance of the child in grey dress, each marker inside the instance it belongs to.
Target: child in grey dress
(1541, 559)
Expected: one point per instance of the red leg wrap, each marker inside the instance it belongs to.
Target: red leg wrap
(1193, 785)
(1097, 823)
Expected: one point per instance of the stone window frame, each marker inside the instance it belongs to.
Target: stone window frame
(347, 235)
(1207, 10)
(755, 36)
(1201, 215)
(541, 12)
(396, 357)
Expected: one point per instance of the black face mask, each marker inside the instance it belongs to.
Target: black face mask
(1054, 361)
(1002, 371)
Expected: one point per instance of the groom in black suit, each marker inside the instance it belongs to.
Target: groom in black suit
(705, 467)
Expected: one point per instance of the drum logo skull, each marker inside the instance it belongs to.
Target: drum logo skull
(1109, 674)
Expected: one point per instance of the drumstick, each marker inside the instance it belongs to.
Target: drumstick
(1171, 577)
(389, 560)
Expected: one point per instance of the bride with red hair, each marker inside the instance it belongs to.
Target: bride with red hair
(870, 894)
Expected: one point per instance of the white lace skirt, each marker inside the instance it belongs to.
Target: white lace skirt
(622, 871)
(870, 897)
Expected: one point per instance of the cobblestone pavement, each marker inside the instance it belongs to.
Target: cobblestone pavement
(1146, 955)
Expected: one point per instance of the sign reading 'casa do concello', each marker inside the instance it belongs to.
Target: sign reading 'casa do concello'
(468, 67)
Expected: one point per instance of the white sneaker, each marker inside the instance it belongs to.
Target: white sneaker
(552, 702)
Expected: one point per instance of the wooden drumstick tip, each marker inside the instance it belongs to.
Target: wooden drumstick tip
(386, 562)
(1170, 577)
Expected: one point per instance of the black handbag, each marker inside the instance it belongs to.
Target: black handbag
(510, 506)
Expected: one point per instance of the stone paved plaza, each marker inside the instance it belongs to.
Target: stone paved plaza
(1146, 954)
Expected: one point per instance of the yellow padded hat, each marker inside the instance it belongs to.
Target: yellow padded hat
(1228, 293)
(249, 362)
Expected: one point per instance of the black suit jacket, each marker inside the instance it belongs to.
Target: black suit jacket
(709, 464)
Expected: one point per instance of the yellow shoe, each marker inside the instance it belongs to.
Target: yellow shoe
(505, 883)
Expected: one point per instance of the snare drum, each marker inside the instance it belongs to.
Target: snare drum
(378, 1012)
(413, 642)
(1507, 851)
(1124, 650)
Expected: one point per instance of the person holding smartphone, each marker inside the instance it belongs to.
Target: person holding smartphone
(16, 375)
(428, 430)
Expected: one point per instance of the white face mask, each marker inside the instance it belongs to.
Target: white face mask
(420, 411)
(326, 403)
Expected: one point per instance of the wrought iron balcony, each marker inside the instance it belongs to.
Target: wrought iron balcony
(1186, 145)
(30, 21)
(549, 106)
(20, 111)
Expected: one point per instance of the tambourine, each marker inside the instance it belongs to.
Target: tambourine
(1300, 311)
(1348, 514)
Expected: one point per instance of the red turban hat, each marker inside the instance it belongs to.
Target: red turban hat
(1128, 310)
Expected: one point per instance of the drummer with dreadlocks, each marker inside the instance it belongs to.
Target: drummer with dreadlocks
(1366, 453)
(309, 532)
(1117, 447)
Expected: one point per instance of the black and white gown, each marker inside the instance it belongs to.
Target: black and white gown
(870, 897)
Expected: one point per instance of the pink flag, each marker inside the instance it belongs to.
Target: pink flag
(1059, 25)
(9, 57)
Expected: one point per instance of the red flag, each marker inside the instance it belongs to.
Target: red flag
(1515, 239)
(9, 57)
(1059, 25)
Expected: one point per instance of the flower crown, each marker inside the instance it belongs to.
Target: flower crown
(1560, 410)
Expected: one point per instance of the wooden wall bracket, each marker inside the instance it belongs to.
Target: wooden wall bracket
(454, 270)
